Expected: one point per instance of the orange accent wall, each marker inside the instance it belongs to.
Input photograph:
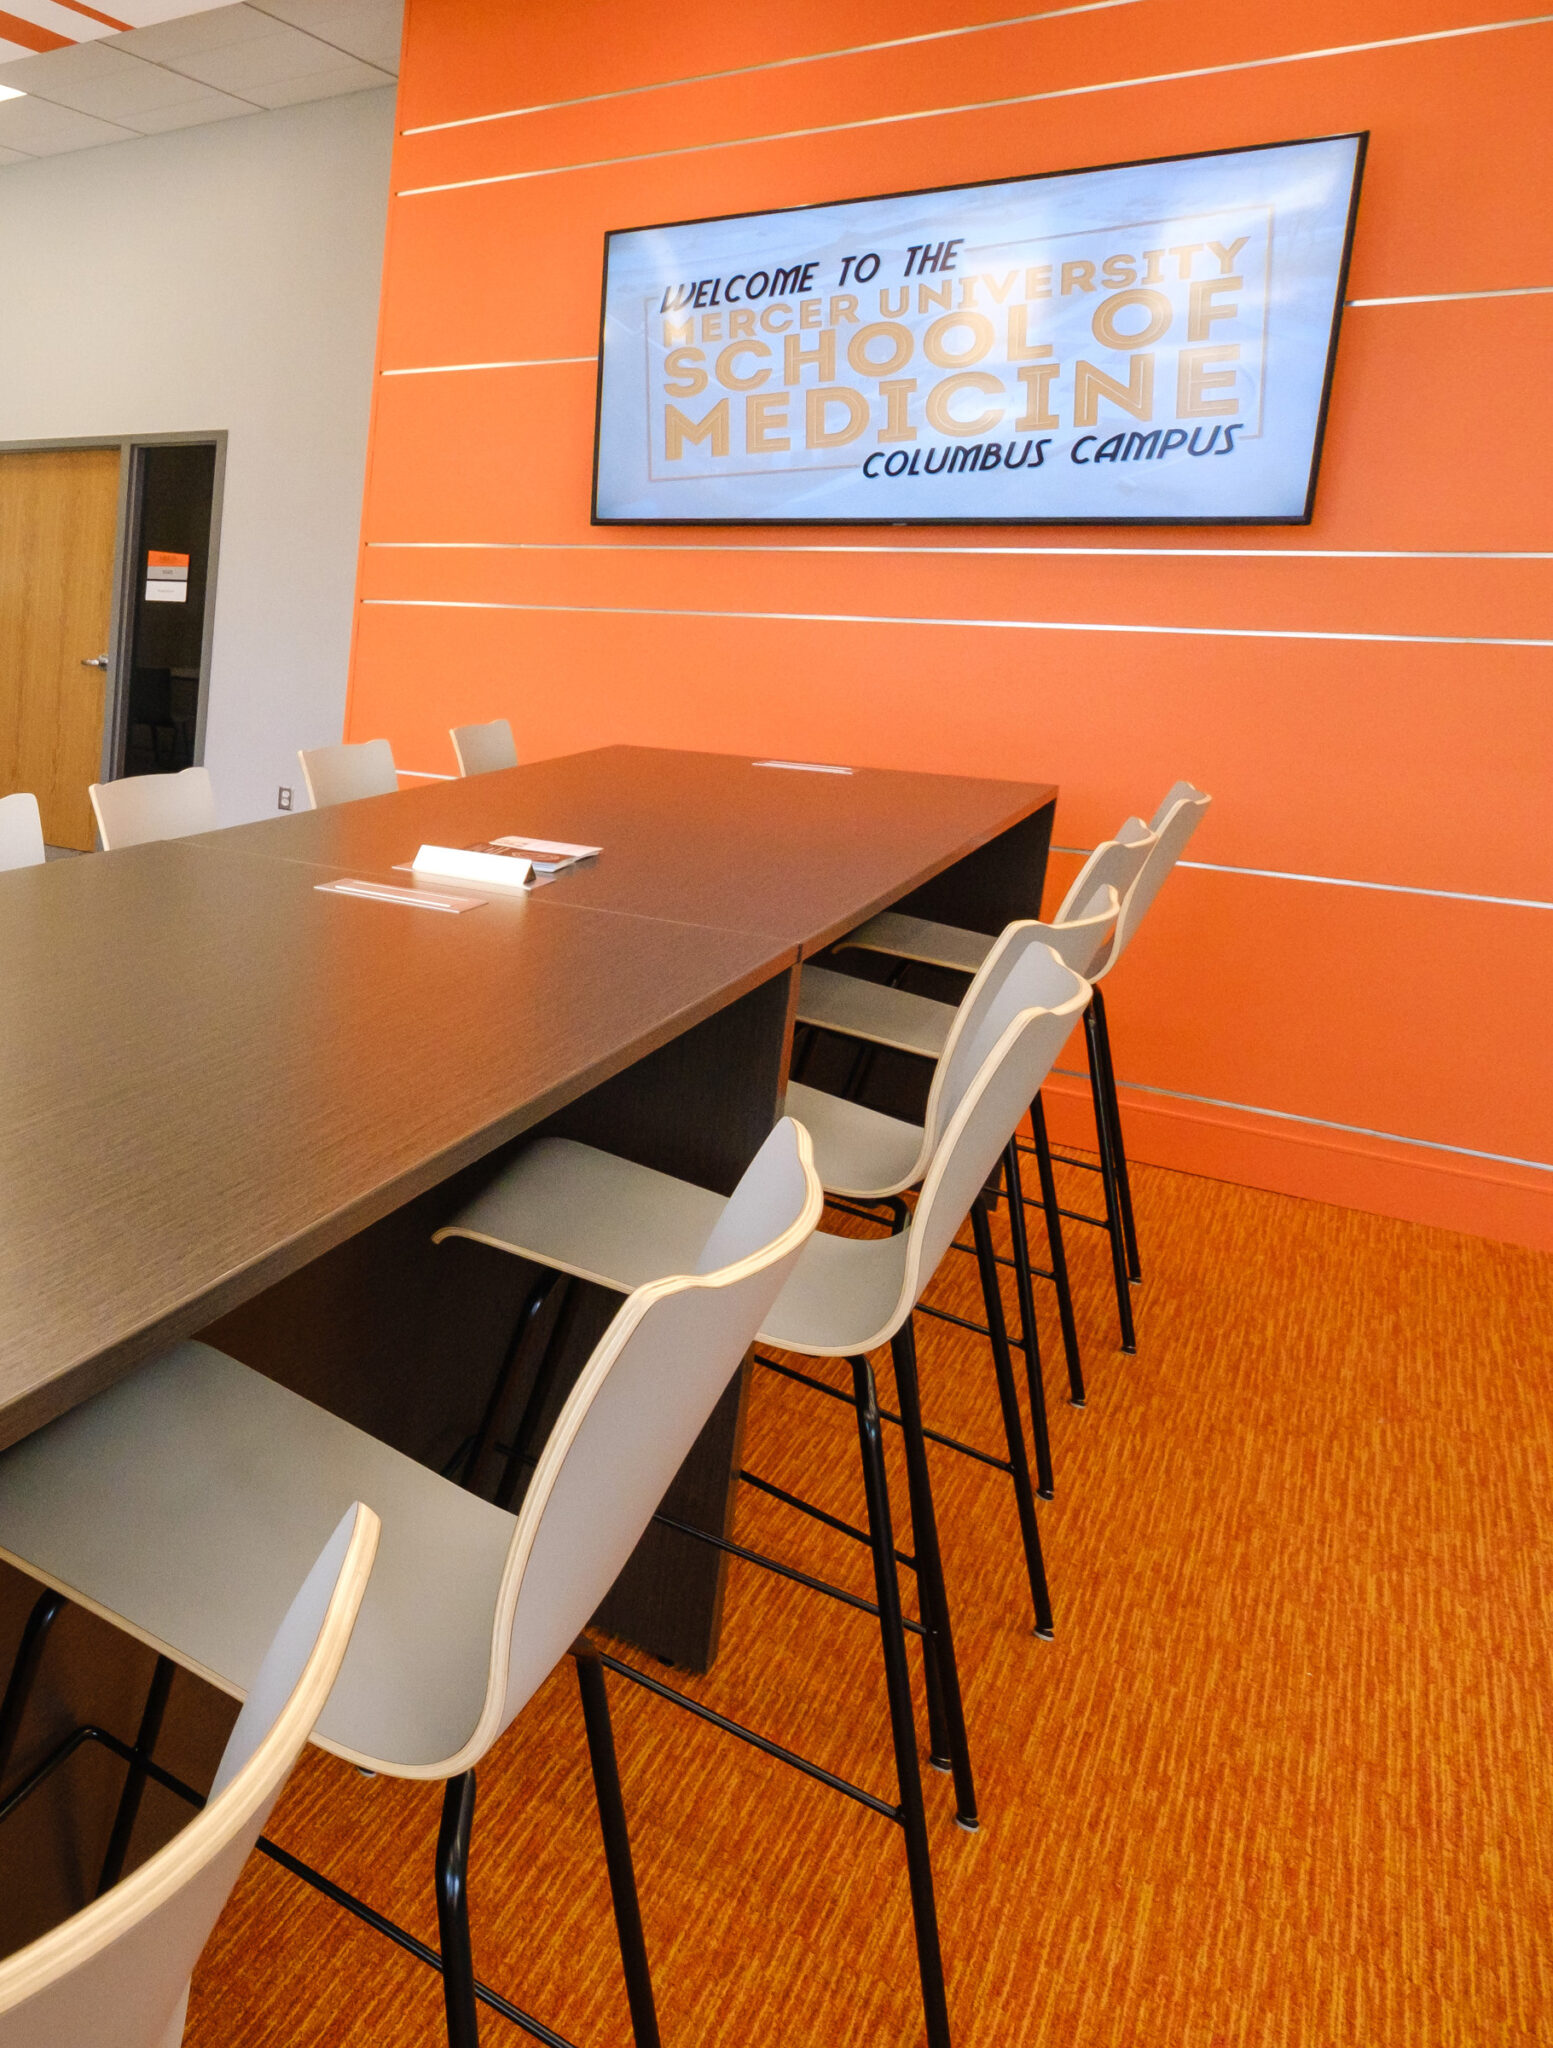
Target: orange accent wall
(1257, 1012)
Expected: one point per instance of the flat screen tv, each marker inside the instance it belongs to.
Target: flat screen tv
(1146, 343)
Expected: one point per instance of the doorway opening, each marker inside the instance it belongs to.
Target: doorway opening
(107, 588)
(161, 701)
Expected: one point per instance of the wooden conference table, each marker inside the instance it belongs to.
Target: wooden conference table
(233, 1105)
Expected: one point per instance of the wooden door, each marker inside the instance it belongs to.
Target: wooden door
(59, 511)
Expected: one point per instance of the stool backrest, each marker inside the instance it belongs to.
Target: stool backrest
(629, 1423)
(1172, 825)
(141, 807)
(1115, 865)
(339, 775)
(21, 831)
(480, 749)
(1026, 969)
(1041, 1003)
(116, 1975)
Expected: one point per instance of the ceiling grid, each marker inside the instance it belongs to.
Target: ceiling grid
(74, 76)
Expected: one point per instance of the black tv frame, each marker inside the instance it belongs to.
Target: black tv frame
(1303, 518)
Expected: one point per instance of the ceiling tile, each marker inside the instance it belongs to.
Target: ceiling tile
(168, 42)
(344, 75)
(39, 129)
(82, 61)
(368, 29)
(188, 68)
(204, 106)
(254, 66)
(99, 78)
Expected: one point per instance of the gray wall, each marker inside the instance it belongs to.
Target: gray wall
(222, 277)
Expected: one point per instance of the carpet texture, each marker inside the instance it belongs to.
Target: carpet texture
(1282, 1780)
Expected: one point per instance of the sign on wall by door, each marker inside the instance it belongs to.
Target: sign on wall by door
(167, 577)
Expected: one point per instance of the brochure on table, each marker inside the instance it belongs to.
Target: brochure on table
(511, 862)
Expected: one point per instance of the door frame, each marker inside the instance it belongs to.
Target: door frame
(126, 555)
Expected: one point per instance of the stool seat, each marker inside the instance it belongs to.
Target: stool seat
(891, 1017)
(587, 1213)
(620, 1225)
(187, 1503)
(858, 1151)
(919, 938)
(846, 1295)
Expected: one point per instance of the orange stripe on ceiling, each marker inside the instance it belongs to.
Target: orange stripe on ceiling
(13, 29)
(92, 14)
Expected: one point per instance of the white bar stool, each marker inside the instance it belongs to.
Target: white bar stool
(482, 749)
(116, 1974)
(863, 1156)
(1083, 933)
(342, 774)
(576, 1210)
(208, 1484)
(1162, 840)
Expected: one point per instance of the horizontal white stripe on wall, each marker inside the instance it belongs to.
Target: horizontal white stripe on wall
(1515, 291)
(627, 92)
(1512, 291)
(452, 369)
(694, 547)
(1323, 1123)
(1023, 99)
(990, 625)
(1211, 867)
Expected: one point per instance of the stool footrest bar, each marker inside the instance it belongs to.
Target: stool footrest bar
(804, 1507)
(1079, 1216)
(934, 1436)
(785, 1571)
(362, 1911)
(1037, 1272)
(760, 1742)
(421, 1950)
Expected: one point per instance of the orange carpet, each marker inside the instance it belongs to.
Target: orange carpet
(1282, 1781)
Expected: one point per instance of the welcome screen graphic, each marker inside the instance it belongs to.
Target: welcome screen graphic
(1150, 342)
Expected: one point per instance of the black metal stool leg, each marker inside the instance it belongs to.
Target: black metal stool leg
(135, 1783)
(1059, 1251)
(1013, 1430)
(1118, 1146)
(919, 1866)
(46, 1610)
(458, 1962)
(519, 1454)
(528, 1315)
(1113, 1221)
(938, 1748)
(617, 1845)
(1032, 1343)
(932, 1592)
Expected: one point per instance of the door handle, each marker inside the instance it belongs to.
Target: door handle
(95, 661)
